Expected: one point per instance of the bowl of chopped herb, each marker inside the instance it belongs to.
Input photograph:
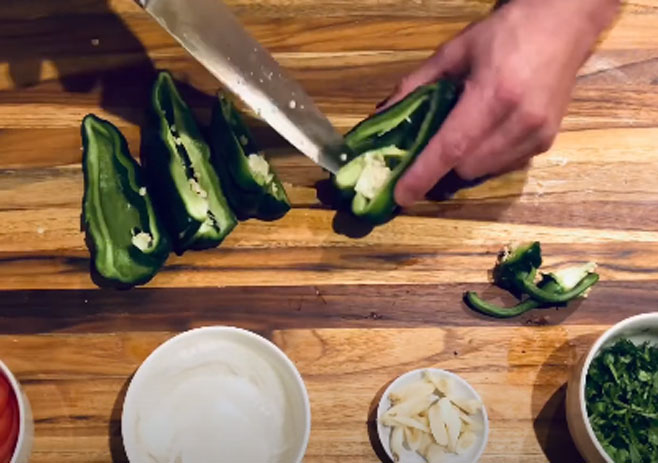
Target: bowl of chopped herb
(612, 395)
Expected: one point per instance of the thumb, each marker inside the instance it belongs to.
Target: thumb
(449, 59)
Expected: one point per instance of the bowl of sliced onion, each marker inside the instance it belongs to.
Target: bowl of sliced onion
(434, 416)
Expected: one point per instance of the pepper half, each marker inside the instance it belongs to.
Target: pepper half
(386, 144)
(252, 187)
(188, 191)
(128, 242)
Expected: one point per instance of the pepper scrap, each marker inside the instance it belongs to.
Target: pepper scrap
(516, 272)
(188, 192)
(128, 242)
(517, 264)
(252, 188)
(385, 145)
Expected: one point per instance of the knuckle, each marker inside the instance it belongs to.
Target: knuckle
(545, 140)
(406, 84)
(440, 53)
(508, 94)
(454, 148)
(533, 119)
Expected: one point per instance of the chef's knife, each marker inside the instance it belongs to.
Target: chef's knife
(210, 32)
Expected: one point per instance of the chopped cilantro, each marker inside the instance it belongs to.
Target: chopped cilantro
(622, 401)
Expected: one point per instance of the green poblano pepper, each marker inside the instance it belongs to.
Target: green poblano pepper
(516, 271)
(127, 241)
(252, 187)
(516, 264)
(517, 268)
(188, 191)
(386, 144)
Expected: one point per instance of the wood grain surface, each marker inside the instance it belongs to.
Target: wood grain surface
(352, 309)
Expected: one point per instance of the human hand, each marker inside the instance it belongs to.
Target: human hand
(518, 68)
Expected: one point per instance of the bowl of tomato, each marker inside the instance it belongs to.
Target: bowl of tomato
(16, 424)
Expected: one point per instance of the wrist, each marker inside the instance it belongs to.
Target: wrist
(601, 13)
(589, 17)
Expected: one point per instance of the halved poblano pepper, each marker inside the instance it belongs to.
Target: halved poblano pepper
(252, 187)
(386, 144)
(128, 243)
(188, 191)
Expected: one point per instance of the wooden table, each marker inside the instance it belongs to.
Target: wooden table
(352, 313)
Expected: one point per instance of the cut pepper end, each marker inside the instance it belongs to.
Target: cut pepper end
(349, 174)
(385, 145)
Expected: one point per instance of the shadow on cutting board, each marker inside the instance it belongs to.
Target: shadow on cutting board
(91, 50)
(373, 435)
(114, 432)
(550, 422)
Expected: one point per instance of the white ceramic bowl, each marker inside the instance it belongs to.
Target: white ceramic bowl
(26, 422)
(463, 389)
(639, 328)
(209, 350)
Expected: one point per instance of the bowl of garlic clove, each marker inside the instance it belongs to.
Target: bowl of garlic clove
(434, 416)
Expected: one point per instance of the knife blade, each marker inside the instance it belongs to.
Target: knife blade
(211, 33)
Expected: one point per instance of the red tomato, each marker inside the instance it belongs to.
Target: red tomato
(6, 409)
(4, 392)
(7, 445)
(6, 422)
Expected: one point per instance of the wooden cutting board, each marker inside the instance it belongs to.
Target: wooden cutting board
(353, 311)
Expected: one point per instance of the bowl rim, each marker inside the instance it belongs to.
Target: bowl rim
(380, 407)
(18, 394)
(263, 341)
(593, 352)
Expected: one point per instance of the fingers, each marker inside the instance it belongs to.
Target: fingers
(469, 124)
(450, 59)
(519, 164)
(524, 134)
(498, 158)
